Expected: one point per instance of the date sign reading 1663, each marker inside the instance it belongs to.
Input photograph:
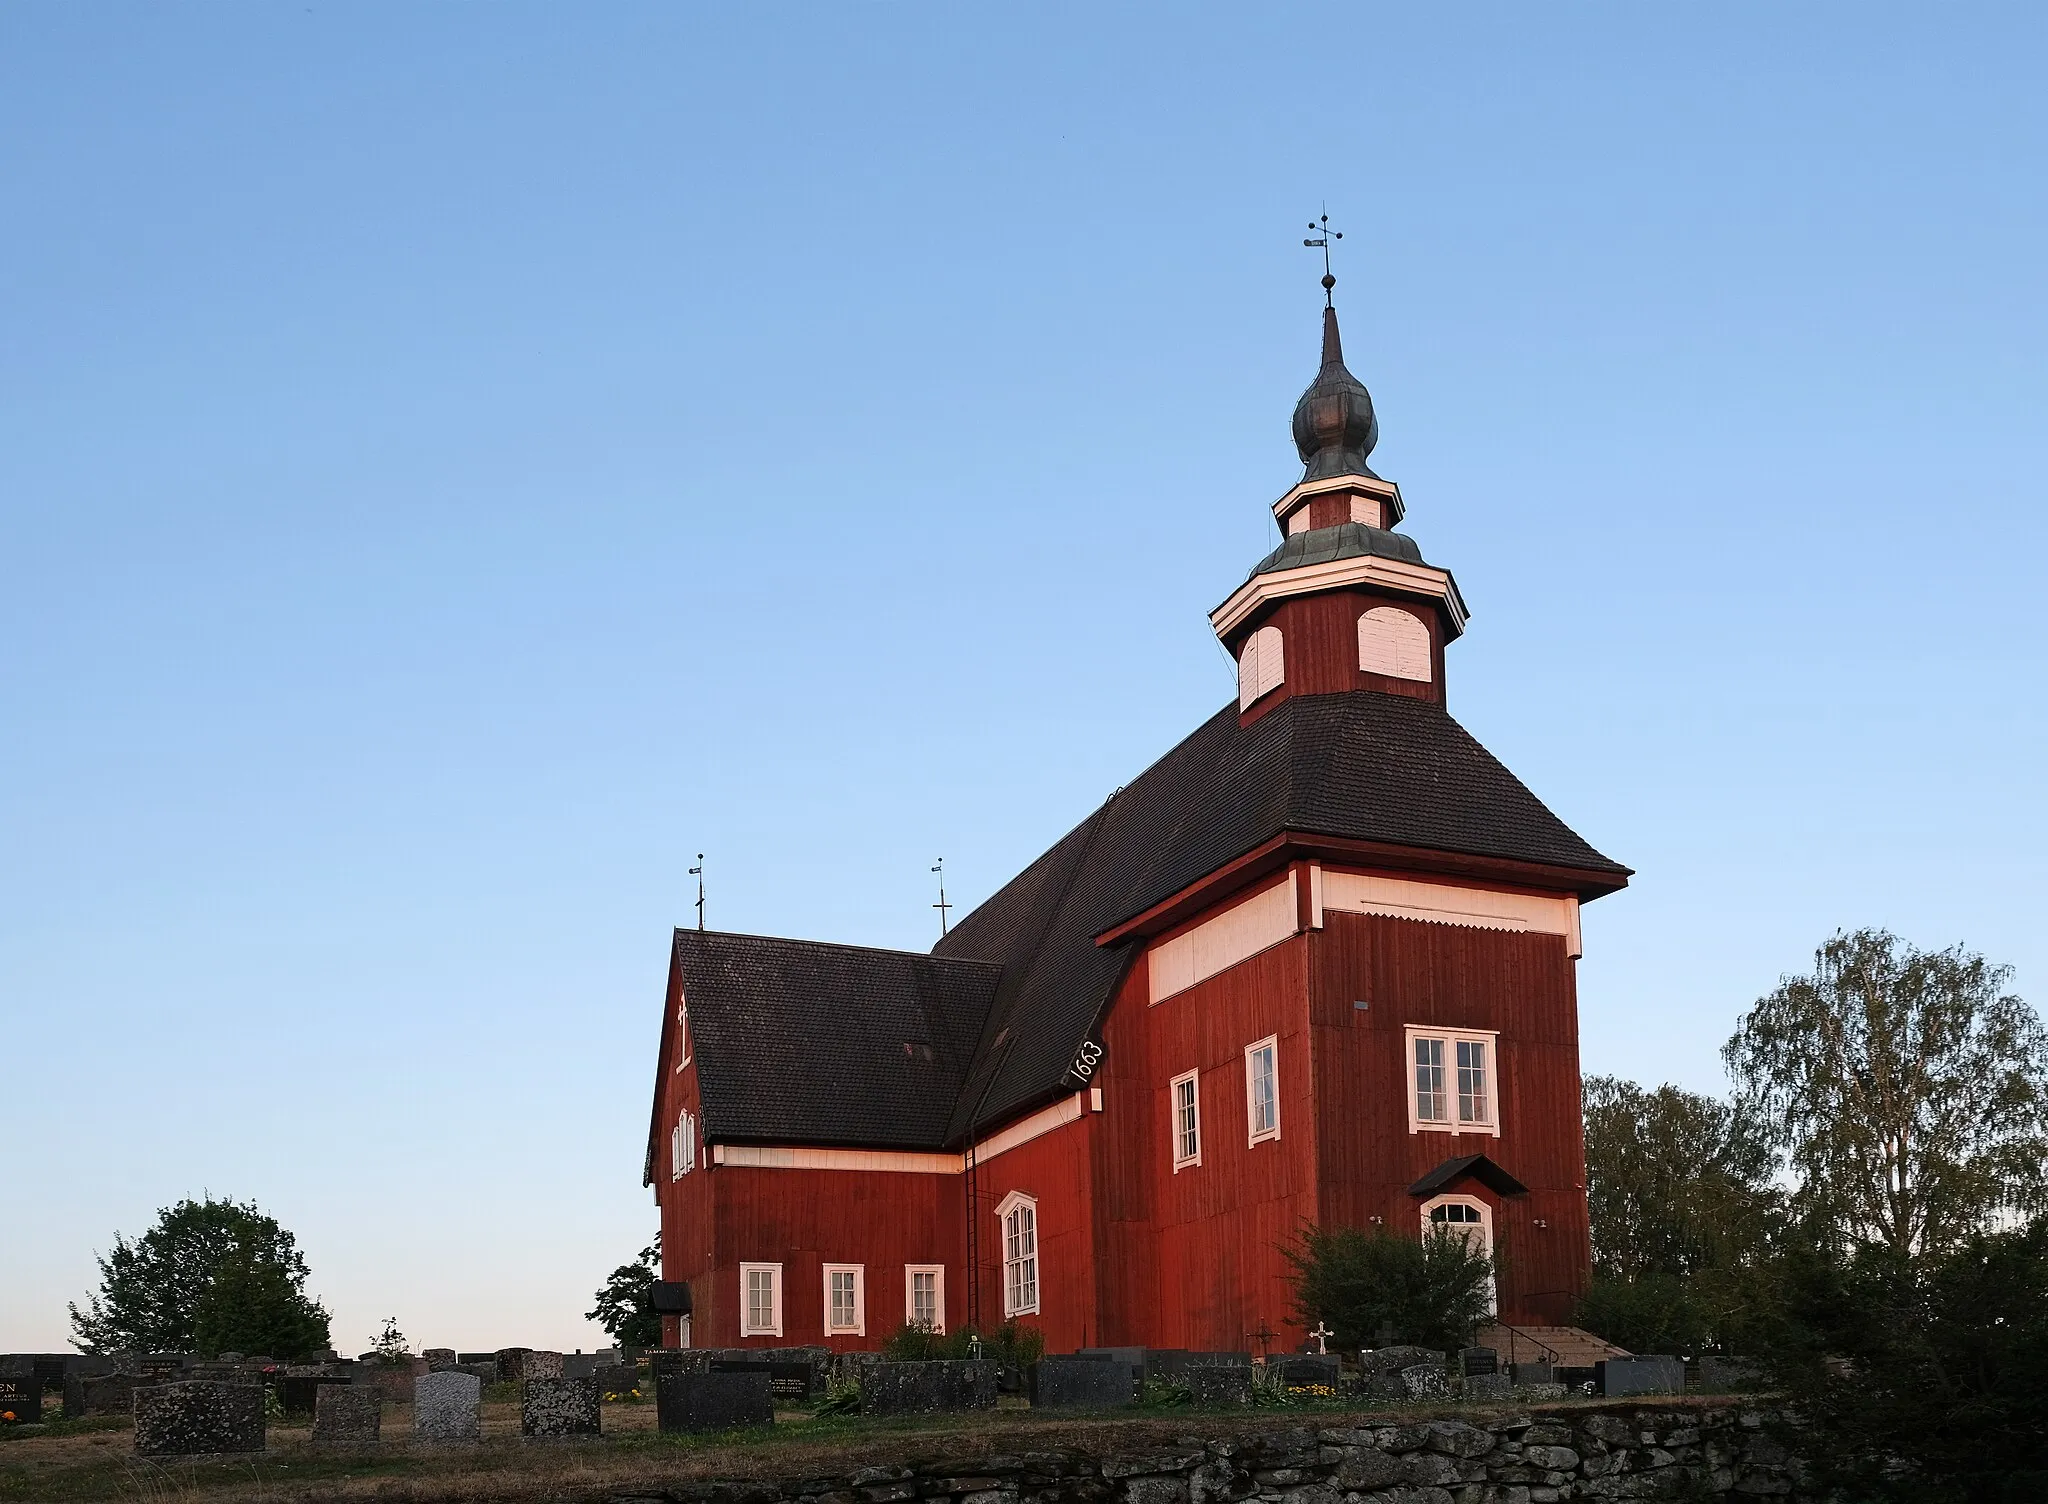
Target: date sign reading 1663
(1087, 1061)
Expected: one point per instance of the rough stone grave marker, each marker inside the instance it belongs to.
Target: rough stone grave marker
(347, 1415)
(1426, 1381)
(712, 1400)
(1219, 1383)
(556, 1409)
(198, 1418)
(440, 1359)
(537, 1363)
(928, 1388)
(447, 1407)
(1081, 1384)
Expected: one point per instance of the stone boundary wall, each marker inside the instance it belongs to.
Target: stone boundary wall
(1629, 1452)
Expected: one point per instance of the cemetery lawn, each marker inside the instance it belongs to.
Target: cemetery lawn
(95, 1460)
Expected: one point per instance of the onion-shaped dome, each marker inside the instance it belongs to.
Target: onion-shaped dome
(1334, 426)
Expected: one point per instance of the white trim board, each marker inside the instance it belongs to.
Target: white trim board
(1067, 1110)
(1366, 569)
(1219, 942)
(1442, 903)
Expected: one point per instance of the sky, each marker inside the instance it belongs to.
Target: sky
(457, 463)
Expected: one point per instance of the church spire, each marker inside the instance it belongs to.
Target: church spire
(1334, 424)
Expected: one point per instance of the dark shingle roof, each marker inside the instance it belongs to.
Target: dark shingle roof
(1343, 540)
(1357, 766)
(805, 1042)
(802, 1042)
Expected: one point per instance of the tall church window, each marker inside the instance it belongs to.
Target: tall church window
(1454, 1086)
(1262, 1088)
(1394, 642)
(1261, 665)
(1019, 1217)
(760, 1300)
(682, 1146)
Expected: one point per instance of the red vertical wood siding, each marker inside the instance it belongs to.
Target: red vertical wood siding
(1520, 984)
(1320, 637)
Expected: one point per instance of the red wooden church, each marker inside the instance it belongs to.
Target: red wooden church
(1315, 965)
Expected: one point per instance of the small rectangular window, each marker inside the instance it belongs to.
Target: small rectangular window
(924, 1296)
(1187, 1120)
(1454, 1087)
(1262, 1089)
(760, 1300)
(845, 1300)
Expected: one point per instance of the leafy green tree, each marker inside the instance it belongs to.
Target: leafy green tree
(1907, 1090)
(625, 1306)
(154, 1291)
(1919, 1376)
(1675, 1182)
(1372, 1289)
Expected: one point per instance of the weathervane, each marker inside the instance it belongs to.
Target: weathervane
(698, 873)
(1322, 240)
(942, 905)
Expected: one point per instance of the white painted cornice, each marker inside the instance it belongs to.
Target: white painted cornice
(1367, 485)
(1370, 570)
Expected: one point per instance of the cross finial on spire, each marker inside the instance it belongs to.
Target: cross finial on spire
(1322, 239)
(942, 906)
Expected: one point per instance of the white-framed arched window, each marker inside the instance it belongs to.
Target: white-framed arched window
(1018, 1215)
(1469, 1215)
(1261, 665)
(1394, 642)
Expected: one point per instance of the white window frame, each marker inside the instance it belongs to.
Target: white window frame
(1261, 666)
(1254, 1134)
(858, 1327)
(682, 1032)
(938, 1274)
(682, 1145)
(1451, 1039)
(748, 1326)
(1182, 1159)
(1014, 1303)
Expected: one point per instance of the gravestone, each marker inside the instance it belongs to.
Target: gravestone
(1473, 1361)
(1308, 1371)
(712, 1401)
(557, 1409)
(786, 1380)
(447, 1407)
(618, 1380)
(1426, 1381)
(465, 1360)
(1526, 1374)
(1389, 1361)
(113, 1394)
(1488, 1386)
(440, 1359)
(934, 1388)
(1131, 1357)
(299, 1393)
(511, 1362)
(346, 1415)
(537, 1363)
(483, 1373)
(21, 1399)
(579, 1366)
(198, 1418)
(1730, 1375)
(1619, 1376)
(1081, 1384)
(1219, 1383)
(162, 1367)
(1173, 1363)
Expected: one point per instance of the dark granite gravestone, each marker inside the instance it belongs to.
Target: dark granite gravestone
(1619, 1376)
(299, 1394)
(447, 1407)
(440, 1359)
(112, 1394)
(483, 1373)
(163, 1367)
(1081, 1384)
(1730, 1375)
(1219, 1383)
(712, 1400)
(347, 1415)
(1426, 1381)
(21, 1399)
(198, 1418)
(786, 1380)
(1172, 1363)
(467, 1360)
(557, 1409)
(511, 1362)
(1532, 1373)
(579, 1365)
(618, 1380)
(1131, 1357)
(1308, 1371)
(928, 1388)
(1478, 1360)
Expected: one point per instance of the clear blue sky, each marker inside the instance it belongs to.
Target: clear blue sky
(458, 462)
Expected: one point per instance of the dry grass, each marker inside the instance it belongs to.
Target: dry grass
(633, 1456)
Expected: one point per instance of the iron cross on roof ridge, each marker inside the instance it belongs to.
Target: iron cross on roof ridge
(1322, 240)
